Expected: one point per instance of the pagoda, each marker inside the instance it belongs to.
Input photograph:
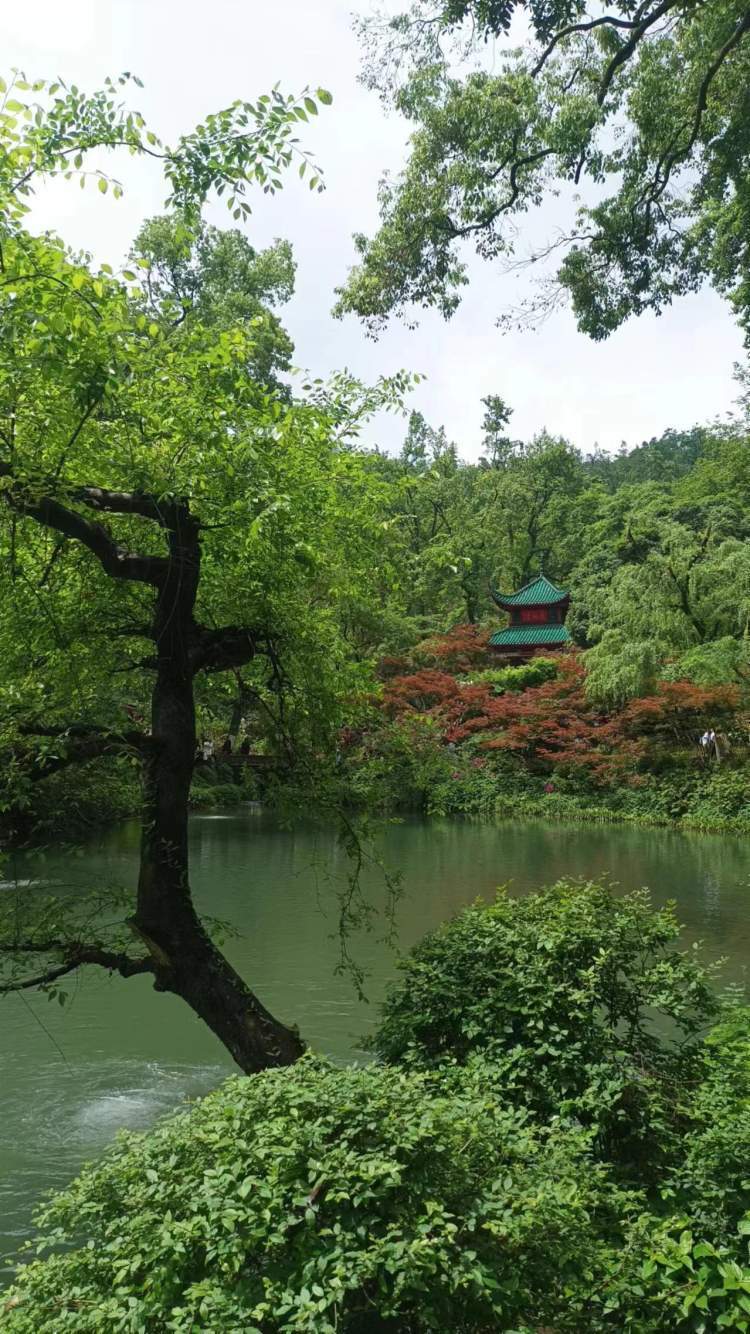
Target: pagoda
(537, 620)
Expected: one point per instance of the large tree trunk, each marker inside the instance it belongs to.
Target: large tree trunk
(185, 959)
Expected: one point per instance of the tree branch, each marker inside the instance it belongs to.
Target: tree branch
(672, 156)
(40, 980)
(83, 743)
(167, 511)
(77, 955)
(114, 559)
(515, 189)
(628, 48)
(575, 28)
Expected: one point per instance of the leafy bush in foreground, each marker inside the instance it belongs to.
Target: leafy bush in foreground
(315, 1199)
(554, 1148)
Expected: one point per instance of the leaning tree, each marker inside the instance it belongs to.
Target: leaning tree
(160, 512)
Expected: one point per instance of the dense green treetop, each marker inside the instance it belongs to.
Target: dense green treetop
(216, 278)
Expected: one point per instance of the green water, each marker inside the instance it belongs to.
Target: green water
(119, 1054)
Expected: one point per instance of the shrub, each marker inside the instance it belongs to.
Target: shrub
(514, 679)
(215, 794)
(320, 1200)
(458, 650)
(721, 801)
(400, 765)
(569, 994)
(458, 1196)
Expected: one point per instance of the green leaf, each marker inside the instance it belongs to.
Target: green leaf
(324, 96)
(103, 185)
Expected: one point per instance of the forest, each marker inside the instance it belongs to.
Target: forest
(220, 593)
(415, 714)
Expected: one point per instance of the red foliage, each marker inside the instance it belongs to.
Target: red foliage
(555, 724)
(463, 647)
(388, 667)
(423, 691)
(679, 707)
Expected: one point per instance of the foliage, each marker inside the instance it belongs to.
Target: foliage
(463, 647)
(515, 679)
(215, 794)
(566, 994)
(66, 810)
(399, 766)
(320, 1199)
(217, 279)
(457, 1189)
(645, 107)
(557, 723)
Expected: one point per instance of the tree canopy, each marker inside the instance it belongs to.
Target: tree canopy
(643, 108)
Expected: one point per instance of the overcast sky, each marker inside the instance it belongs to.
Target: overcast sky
(195, 57)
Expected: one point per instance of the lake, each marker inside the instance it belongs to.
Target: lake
(119, 1054)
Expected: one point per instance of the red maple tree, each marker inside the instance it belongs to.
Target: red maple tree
(555, 725)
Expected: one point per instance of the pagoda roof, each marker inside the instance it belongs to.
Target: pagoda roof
(516, 636)
(539, 592)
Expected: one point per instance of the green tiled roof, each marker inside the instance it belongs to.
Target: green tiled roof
(538, 592)
(517, 635)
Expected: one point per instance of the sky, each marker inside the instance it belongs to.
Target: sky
(193, 57)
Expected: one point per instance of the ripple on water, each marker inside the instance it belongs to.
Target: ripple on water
(88, 1104)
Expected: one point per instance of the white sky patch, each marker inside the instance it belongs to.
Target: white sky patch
(654, 373)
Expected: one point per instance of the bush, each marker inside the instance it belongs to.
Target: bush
(722, 801)
(70, 804)
(215, 794)
(401, 766)
(515, 679)
(569, 994)
(315, 1199)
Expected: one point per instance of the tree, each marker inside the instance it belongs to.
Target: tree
(644, 103)
(689, 587)
(217, 278)
(498, 446)
(157, 508)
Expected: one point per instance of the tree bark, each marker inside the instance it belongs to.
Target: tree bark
(186, 962)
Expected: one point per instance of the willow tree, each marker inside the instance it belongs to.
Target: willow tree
(640, 107)
(159, 512)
